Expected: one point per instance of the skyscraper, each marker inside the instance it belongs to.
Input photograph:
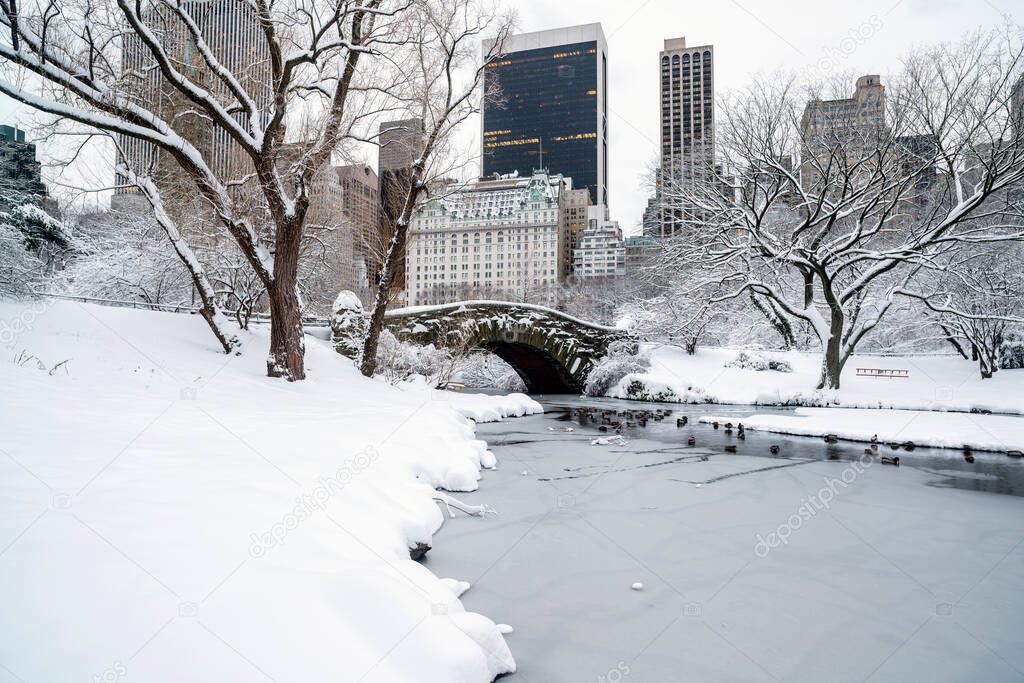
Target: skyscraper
(855, 123)
(687, 124)
(551, 111)
(232, 32)
(20, 178)
(360, 207)
(574, 220)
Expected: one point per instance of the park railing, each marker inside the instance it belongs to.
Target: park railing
(191, 309)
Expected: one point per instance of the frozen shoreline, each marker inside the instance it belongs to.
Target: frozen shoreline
(996, 433)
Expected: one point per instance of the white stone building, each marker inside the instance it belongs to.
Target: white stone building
(491, 238)
(601, 252)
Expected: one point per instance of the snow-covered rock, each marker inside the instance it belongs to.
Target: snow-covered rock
(348, 324)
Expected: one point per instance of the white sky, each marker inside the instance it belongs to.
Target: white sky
(750, 36)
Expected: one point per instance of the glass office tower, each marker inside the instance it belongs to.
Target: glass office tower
(551, 109)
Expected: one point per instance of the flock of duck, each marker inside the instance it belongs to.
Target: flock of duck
(611, 420)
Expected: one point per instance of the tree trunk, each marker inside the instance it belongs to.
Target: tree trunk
(831, 365)
(219, 325)
(287, 344)
(987, 362)
(396, 250)
(951, 338)
(833, 359)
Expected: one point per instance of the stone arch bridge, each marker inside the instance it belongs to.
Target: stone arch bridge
(553, 352)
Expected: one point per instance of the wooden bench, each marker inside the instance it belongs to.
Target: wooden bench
(883, 372)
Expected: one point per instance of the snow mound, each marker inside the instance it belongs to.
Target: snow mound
(486, 634)
(203, 522)
(759, 361)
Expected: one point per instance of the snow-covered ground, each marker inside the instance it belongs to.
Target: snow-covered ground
(168, 513)
(941, 430)
(941, 383)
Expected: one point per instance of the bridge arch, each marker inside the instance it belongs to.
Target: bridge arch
(553, 352)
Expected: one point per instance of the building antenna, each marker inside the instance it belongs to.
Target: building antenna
(541, 141)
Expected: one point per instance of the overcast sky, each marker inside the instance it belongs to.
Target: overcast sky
(750, 36)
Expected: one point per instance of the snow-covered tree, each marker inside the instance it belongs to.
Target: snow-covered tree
(827, 220)
(123, 256)
(316, 71)
(30, 241)
(976, 300)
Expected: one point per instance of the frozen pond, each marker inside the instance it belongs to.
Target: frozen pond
(884, 573)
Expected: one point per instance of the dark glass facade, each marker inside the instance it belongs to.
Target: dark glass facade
(548, 101)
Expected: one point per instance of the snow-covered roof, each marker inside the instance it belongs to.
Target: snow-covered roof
(498, 198)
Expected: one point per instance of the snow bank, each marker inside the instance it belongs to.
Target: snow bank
(941, 430)
(168, 513)
(486, 408)
(476, 407)
(941, 383)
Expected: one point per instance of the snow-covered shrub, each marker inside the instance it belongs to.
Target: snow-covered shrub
(348, 324)
(399, 361)
(755, 360)
(125, 257)
(20, 268)
(618, 362)
(637, 390)
(486, 370)
(38, 228)
(1011, 352)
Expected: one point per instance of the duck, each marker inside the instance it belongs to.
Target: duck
(774, 449)
(691, 441)
(730, 448)
(894, 460)
(831, 438)
(715, 424)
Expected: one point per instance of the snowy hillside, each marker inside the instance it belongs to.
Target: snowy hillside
(167, 513)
